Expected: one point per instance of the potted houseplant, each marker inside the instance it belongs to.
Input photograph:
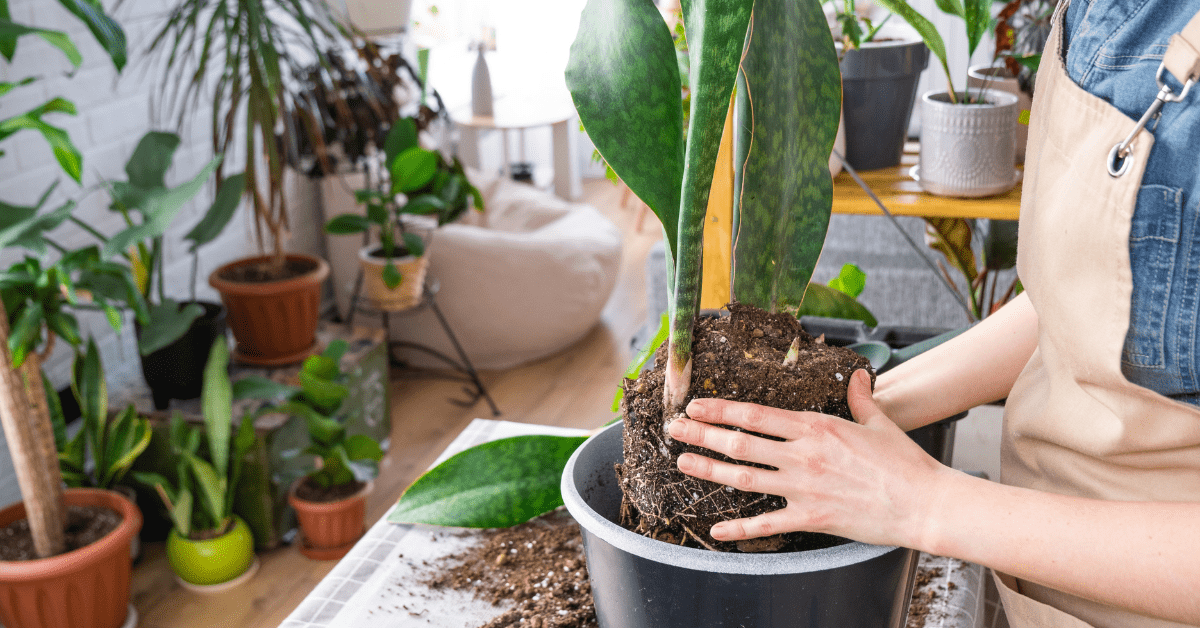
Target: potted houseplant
(174, 336)
(273, 298)
(209, 548)
(968, 142)
(420, 182)
(879, 86)
(1022, 27)
(63, 580)
(785, 124)
(330, 502)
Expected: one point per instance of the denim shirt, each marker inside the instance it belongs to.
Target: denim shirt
(1114, 49)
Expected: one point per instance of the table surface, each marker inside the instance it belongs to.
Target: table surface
(902, 195)
(519, 111)
(377, 582)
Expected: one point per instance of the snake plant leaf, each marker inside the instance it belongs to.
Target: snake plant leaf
(624, 80)
(212, 486)
(787, 121)
(493, 485)
(106, 30)
(831, 303)
(216, 401)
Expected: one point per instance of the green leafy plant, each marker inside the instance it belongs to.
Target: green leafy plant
(624, 78)
(856, 28)
(199, 499)
(319, 402)
(148, 208)
(420, 183)
(111, 445)
(1022, 28)
(980, 256)
(977, 19)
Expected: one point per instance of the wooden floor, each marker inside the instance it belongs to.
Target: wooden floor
(573, 388)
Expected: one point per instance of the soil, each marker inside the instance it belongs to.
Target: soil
(921, 606)
(269, 270)
(536, 568)
(310, 491)
(85, 525)
(738, 357)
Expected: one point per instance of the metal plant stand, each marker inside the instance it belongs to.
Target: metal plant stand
(461, 369)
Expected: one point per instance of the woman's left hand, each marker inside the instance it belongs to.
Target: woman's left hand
(864, 480)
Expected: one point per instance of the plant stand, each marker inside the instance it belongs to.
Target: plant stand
(461, 368)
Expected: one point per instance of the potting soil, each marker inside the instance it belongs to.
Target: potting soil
(310, 491)
(536, 569)
(85, 525)
(739, 357)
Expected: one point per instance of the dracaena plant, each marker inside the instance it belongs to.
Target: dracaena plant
(624, 79)
(199, 498)
(977, 19)
(420, 182)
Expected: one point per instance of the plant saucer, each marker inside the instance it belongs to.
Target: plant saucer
(222, 586)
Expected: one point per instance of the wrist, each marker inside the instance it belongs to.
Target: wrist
(935, 524)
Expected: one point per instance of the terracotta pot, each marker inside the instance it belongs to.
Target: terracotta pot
(330, 529)
(402, 297)
(84, 588)
(275, 322)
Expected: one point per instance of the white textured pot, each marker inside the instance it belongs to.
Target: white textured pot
(968, 150)
(999, 78)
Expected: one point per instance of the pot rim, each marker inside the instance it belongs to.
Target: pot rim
(238, 522)
(85, 557)
(364, 255)
(891, 43)
(1006, 99)
(704, 560)
(317, 275)
(326, 507)
(992, 72)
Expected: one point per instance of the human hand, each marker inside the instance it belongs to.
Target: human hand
(863, 480)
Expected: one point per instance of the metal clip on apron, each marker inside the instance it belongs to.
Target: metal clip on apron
(1073, 424)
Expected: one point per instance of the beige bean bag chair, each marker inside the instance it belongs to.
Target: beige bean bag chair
(525, 279)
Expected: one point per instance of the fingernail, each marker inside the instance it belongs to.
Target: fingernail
(695, 408)
(863, 377)
(686, 463)
(719, 531)
(677, 428)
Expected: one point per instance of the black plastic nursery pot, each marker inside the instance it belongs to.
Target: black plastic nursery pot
(638, 582)
(879, 87)
(177, 370)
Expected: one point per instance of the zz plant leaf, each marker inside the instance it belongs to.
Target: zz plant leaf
(493, 485)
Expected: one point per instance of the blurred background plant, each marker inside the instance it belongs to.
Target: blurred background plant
(1021, 28)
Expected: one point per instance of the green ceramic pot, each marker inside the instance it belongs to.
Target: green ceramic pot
(212, 561)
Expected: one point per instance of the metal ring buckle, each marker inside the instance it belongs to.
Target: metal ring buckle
(1115, 170)
(1165, 91)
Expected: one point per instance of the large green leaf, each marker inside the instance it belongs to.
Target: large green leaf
(412, 169)
(624, 80)
(401, 137)
(129, 435)
(21, 226)
(160, 208)
(363, 447)
(11, 31)
(925, 28)
(219, 214)
(830, 303)
(169, 321)
(978, 16)
(147, 167)
(105, 29)
(259, 387)
(851, 280)
(68, 156)
(493, 485)
(217, 405)
(787, 122)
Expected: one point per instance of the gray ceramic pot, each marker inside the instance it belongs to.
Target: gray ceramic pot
(642, 583)
(968, 150)
(879, 87)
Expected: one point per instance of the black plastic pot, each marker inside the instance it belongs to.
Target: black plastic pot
(177, 370)
(879, 87)
(638, 582)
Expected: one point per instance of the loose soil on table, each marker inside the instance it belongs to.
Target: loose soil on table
(310, 491)
(536, 569)
(85, 525)
(268, 271)
(921, 606)
(738, 357)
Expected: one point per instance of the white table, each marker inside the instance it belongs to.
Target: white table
(376, 583)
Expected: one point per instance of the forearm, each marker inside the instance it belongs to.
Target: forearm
(976, 367)
(1143, 556)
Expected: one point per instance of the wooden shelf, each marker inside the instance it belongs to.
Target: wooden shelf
(903, 197)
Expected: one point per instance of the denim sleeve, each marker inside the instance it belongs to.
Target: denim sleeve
(1114, 48)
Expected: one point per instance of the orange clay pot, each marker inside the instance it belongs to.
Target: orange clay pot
(84, 588)
(330, 529)
(274, 322)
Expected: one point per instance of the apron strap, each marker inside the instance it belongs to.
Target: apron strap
(1183, 54)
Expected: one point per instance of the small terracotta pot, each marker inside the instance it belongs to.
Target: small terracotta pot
(402, 297)
(275, 322)
(84, 588)
(330, 529)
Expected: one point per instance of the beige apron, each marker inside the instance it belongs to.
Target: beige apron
(1073, 424)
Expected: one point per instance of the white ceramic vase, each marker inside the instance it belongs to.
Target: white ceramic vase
(968, 151)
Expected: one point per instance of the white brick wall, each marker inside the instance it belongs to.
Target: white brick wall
(114, 112)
